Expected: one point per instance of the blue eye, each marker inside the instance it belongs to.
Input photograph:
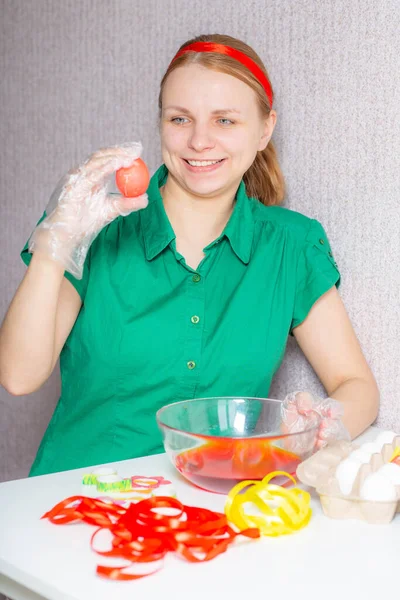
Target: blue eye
(227, 121)
(178, 120)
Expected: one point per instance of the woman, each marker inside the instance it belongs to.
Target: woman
(188, 291)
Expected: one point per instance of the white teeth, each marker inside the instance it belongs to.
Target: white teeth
(202, 163)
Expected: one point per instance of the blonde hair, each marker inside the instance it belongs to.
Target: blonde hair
(264, 179)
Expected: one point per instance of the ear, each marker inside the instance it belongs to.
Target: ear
(267, 130)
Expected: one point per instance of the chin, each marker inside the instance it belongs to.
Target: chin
(206, 188)
(206, 185)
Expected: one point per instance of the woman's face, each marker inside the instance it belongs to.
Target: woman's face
(211, 130)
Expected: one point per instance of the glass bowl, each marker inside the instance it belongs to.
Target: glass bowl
(217, 442)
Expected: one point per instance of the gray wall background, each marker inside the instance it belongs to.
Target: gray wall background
(80, 74)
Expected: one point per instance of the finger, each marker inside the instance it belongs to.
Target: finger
(121, 158)
(121, 206)
(327, 429)
(102, 163)
(289, 414)
(294, 422)
(129, 205)
(333, 429)
(320, 444)
(305, 402)
(130, 149)
(105, 161)
(99, 168)
(290, 400)
(334, 408)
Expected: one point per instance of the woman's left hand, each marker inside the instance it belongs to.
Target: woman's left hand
(298, 409)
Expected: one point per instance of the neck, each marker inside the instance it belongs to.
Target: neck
(194, 217)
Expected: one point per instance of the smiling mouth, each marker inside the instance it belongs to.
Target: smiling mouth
(202, 163)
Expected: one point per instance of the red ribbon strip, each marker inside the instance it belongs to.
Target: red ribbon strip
(143, 535)
(233, 53)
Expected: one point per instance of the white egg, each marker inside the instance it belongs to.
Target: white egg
(360, 455)
(378, 488)
(391, 471)
(370, 447)
(346, 473)
(385, 437)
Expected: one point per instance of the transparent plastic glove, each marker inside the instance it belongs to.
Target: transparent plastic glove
(81, 206)
(298, 411)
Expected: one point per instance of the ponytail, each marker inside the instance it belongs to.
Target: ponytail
(264, 179)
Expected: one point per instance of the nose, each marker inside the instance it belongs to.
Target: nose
(200, 138)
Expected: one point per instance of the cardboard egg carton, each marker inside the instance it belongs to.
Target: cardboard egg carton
(318, 471)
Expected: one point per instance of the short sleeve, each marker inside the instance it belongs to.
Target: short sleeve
(317, 272)
(79, 284)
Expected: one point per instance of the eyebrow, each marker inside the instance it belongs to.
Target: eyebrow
(221, 111)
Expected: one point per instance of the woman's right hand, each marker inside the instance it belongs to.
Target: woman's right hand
(80, 207)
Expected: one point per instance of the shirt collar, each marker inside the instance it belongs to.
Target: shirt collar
(240, 228)
(158, 232)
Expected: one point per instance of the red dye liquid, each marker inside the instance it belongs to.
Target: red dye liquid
(219, 465)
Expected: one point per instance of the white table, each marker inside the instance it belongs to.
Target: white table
(329, 559)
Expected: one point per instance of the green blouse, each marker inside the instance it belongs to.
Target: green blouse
(152, 330)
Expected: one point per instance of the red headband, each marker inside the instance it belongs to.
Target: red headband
(237, 55)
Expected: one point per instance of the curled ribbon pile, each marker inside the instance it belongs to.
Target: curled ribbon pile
(143, 535)
(281, 511)
(105, 482)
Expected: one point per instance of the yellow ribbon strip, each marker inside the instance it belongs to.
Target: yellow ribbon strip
(282, 510)
(396, 454)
